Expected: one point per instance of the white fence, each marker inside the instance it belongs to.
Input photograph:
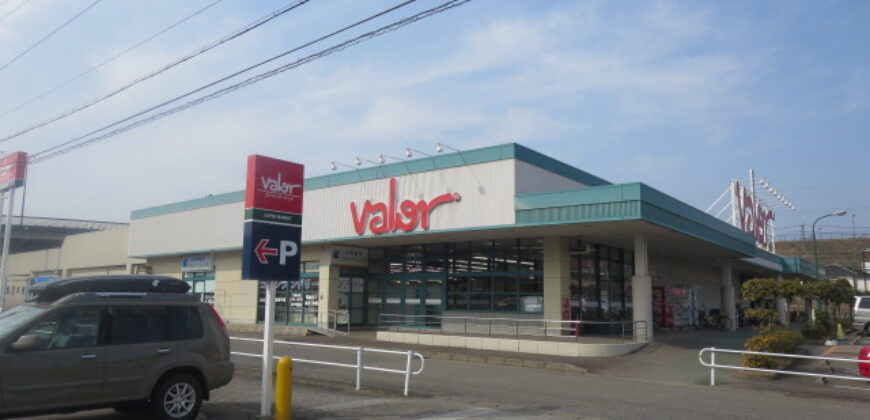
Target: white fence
(359, 366)
(713, 365)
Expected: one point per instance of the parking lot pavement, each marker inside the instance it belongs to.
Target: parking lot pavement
(240, 400)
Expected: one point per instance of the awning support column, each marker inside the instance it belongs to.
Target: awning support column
(729, 305)
(641, 285)
(781, 305)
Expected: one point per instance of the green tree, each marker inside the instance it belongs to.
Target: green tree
(757, 290)
(788, 290)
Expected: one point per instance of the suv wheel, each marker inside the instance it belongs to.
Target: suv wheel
(177, 397)
(867, 329)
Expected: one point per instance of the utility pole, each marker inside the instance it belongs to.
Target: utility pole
(803, 242)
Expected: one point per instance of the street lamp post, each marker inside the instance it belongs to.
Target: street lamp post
(864, 267)
(816, 254)
(815, 249)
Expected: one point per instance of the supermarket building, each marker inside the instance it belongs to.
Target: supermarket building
(501, 231)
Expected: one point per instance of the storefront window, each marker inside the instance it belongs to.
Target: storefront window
(297, 301)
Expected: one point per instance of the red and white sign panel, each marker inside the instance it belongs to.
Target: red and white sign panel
(274, 184)
(752, 217)
(13, 169)
(273, 220)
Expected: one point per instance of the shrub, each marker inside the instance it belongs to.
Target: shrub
(762, 316)
(770, 340)
(820, 328)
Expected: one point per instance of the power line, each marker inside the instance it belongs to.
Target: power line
(13, 10)
(70, 20)
(48, 153)
(229, 37)
(110, 59)
(225, 78)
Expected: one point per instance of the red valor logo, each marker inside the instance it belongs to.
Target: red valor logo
(383, 217)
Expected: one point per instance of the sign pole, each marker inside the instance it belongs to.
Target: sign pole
(271, 243)
(2, 261)
(7, 235)
(268, 341)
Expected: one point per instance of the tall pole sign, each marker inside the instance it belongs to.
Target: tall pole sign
(273, 234)
(13, 171)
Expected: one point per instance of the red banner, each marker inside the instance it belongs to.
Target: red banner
(13, 169)
(274, 184)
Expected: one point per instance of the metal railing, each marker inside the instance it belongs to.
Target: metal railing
(359, 366)
(827, 360)
(513, 327)
(337, 322)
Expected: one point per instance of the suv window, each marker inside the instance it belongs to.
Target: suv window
(864, 304)
(70, 329)
(138, 325)
(185, 323)
(148, 325)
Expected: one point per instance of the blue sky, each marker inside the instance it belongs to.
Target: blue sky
(683, 96)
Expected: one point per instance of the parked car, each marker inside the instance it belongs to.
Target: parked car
(861, 314)
(128, 342)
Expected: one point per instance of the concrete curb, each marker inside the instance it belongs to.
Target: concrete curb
(505, 361)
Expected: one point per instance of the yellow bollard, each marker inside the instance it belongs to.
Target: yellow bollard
(284, 390)
(840, 334)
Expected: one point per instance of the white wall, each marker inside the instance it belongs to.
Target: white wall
(486, 189)
(208, 228)
(532, 179)
(487, 193)
(671, 273)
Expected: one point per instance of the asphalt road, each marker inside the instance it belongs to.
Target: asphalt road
(459, 390)
(505, 391)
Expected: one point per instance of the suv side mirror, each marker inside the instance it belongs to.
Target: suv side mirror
(26, 342)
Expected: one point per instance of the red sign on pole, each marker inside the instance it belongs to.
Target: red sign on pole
(273, 220)
(13, 169)
(274, 184)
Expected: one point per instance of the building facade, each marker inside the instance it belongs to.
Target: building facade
(499, 231)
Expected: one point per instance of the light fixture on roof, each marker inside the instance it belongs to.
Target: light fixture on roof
(439, 147)
(409, 152)
(382, 158)
(360, 160)
(334, 165)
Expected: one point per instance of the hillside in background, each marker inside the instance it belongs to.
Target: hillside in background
(845, 252)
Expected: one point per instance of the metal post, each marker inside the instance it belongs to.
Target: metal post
(268, 341)
(408, 372)
(284, 390)
(713, 368)
(465, 331)
(359, 366)
(863, 268)
(6, 237)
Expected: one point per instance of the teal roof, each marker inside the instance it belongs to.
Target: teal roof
(633, 201)
(795, 265)
(638, 201)
(431, 163)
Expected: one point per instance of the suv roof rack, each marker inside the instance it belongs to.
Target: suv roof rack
(110, 285)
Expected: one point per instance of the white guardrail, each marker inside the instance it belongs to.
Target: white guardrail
(359, 366)
(713, 366)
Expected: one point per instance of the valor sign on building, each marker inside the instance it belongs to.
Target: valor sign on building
(273, 219)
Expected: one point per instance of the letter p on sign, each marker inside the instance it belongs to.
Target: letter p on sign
(288, 249)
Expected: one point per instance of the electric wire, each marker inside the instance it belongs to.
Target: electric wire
(20, 5)
(225, 78)
(226, 38)
(110, 59)
(57, 151)
(56, 30)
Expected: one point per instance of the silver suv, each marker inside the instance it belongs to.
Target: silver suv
(861, 314)
(128, 342)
